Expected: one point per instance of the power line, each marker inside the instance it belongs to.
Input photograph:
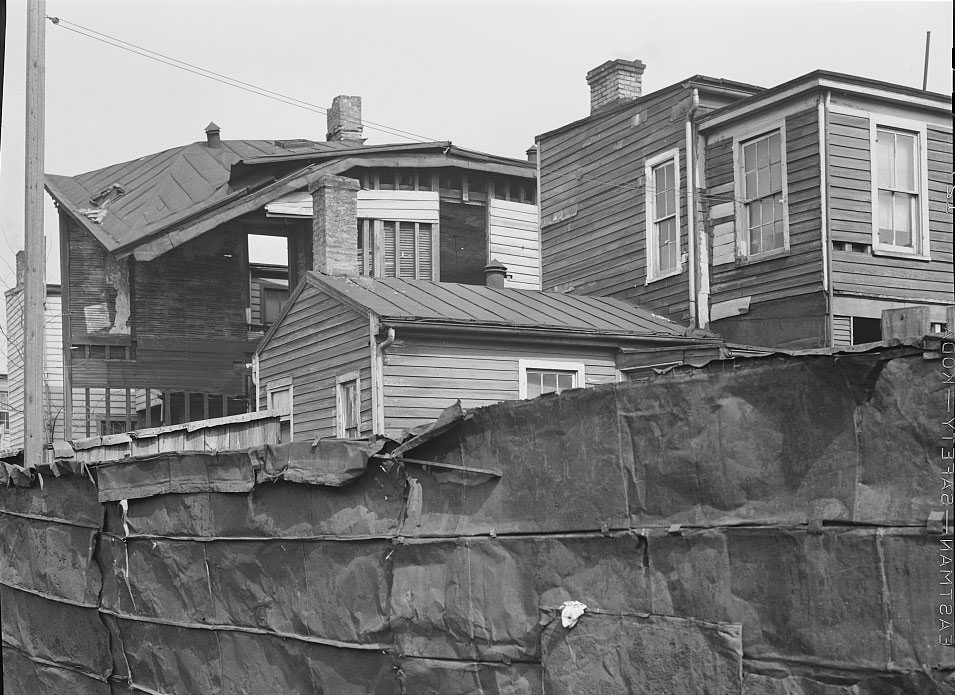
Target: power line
(308, 106)
(219, 77)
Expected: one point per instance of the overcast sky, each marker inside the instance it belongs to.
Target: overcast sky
(487, 75)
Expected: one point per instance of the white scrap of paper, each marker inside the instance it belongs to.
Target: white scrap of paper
(570, 612)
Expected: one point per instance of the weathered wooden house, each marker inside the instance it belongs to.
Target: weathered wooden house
(354, 356)
(788, 217)
(162, 302)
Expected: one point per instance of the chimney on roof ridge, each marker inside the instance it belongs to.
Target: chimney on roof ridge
(344, 120)
(212, 136)
(615, 81)
(532, 154)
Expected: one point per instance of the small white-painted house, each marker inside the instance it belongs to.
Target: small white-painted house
(356, 356)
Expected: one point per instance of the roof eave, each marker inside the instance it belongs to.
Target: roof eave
(820, 81)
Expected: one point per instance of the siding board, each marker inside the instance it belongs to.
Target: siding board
(318, 340)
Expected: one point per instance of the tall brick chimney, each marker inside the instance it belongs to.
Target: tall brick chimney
(344, 120)
(615, 81)
(334, 225)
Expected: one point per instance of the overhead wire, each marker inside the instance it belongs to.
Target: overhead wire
(221, 78)
(308, 106)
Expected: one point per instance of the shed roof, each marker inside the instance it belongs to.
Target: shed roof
(436, 304)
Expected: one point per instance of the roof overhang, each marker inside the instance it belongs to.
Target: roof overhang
(819, 82)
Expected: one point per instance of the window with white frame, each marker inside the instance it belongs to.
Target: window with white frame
(279, 397)
(348, 405)
(538, 377)
(662, 176)
(762, 189)
(899, 172)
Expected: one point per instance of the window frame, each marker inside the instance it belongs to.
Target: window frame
(921, 248)
(353, 377)
(371, 250)
(651, 233)
(523, 365)
(740, 141)
(274, 387)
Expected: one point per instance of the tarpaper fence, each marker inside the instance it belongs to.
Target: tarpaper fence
(759, 527)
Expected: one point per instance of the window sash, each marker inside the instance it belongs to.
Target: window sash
(541, 381)
(897, 188)
(761, 177)
(663, 216)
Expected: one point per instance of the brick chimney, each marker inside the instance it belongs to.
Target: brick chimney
(344, 120)
(334, 225)
(615, 81)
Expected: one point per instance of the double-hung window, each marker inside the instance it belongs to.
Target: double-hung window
(538, 377)
(662, 176)
(348, 405)
(899, 172)
(762, 188)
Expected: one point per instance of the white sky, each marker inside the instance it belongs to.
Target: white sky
(486, 74)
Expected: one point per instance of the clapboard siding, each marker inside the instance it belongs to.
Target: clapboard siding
(800, 271)
(850, 196)
(514, 240)
(424, 375)
(52, 367)
(318, 339)
(596, 169)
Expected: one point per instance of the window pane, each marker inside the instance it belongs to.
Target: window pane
(548, 382)
(750, 185)
(905, 162)
(885, 145)
(886, 226)
(564, 382)
(903, 219)
(749, 157)
(762, 188)
(406, 179)
(755, 218)
(533, 384)
(775, 149)
(776, 177)
(762, 153)
(424, 180)
(386, 179)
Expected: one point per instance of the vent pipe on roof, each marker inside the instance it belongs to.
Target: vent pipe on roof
(212, 136)
(532, 154)
(615, 81)
(495, 273)
(344, 120)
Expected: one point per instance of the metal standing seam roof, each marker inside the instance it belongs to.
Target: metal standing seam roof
(164, 191)
(424, 301)
(160, 188)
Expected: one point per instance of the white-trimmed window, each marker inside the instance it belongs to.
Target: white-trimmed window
(899, 175)
(763, 220)
(279, 397)
(348, 405)
(538, 377)
(662, 176)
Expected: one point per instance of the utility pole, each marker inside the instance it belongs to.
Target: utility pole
(34, 280)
